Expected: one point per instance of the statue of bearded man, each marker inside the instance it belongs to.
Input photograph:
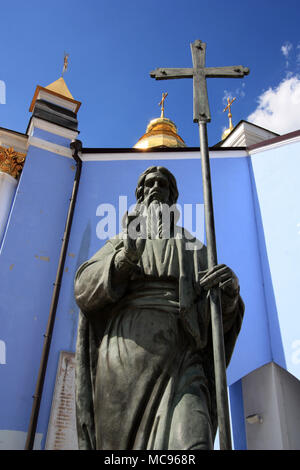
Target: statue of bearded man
(144, 374)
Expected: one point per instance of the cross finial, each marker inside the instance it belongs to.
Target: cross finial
(66, 57)
(229, 103)
(162, 104)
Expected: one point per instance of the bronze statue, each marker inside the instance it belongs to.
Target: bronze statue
(144, 377)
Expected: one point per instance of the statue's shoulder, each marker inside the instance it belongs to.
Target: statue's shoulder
(109, 246)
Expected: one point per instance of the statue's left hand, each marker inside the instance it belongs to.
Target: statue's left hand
(222, 276)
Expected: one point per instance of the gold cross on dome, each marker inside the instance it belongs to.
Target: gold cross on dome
(162, 104)
(229, 111)
(229, 106)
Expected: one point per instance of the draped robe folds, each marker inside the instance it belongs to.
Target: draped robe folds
(144, 363)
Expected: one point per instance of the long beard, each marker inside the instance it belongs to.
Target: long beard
(159, 221)
(154, 220)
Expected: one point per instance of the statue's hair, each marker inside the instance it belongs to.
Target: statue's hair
(139, 192)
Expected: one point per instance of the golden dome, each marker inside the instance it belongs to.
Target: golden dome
(160, 132)
(226, 132)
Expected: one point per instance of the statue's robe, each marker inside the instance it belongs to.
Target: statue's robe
(144, 373)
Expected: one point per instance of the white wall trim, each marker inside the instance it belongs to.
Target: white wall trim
(50, 147)
(193, 155)
(274, 145)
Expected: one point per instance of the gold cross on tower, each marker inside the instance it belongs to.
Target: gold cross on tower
(162, 104)
(66, 57)
(229, 111)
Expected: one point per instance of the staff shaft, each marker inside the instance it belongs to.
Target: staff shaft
(215, 301)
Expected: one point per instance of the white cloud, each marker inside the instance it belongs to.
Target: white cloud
(279, 108)
(227, 94)
(286, 49)
(298, 54)
(238, 93)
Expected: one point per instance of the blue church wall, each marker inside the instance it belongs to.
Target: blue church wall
(28, 265)
(49, 137)
(34, 237)
(237, 416)
(276, 178)
(237, 245)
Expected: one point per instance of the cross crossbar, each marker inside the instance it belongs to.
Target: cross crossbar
(199, 73)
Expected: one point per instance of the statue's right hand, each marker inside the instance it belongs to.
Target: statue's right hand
(133, 244)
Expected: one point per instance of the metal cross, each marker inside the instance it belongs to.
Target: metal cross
(162, 104)
(229, 111)
(229, 105)
(199, 73)
(66, 57)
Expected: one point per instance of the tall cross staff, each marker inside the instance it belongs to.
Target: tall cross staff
(199, 73)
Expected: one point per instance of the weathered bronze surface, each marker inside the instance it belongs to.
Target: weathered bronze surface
(144, 373)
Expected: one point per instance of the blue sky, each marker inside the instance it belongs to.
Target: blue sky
(113, 45)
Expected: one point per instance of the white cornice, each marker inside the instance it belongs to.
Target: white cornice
(52, 128)
(246, 134)
(50, 147)
(272, 146)
(11, 139)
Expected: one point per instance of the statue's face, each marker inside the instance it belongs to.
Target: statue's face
(156, 188)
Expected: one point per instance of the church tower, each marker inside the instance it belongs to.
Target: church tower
(34, 236)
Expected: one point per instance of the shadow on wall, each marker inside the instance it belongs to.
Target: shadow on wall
(273, 322)
(83, 255)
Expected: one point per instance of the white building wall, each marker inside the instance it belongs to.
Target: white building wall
(273, 394)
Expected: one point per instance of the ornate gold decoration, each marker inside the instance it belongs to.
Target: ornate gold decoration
(11, 162)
